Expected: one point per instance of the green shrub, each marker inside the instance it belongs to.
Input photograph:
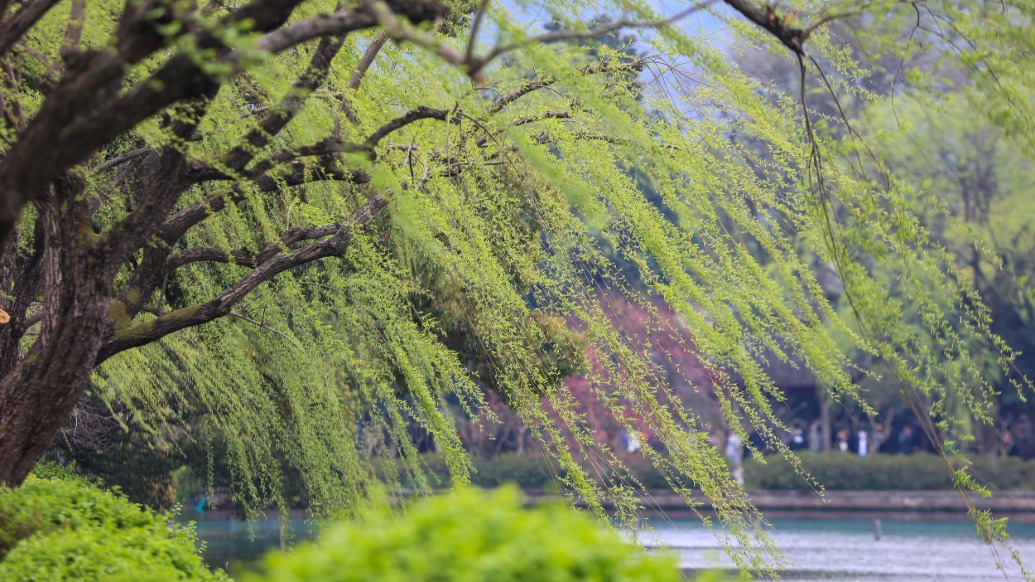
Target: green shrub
(839, 471)
(52, 470)
(1008, 473)
(473, 536)
(527, 471)
(66, 528)
(643, 469)
(835, 471)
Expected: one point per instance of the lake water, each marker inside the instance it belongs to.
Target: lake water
(848, 550)
(818, 549)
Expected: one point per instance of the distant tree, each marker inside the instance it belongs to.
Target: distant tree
(980, 182)
(975, 175)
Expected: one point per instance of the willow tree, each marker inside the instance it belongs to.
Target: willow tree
(256, 209)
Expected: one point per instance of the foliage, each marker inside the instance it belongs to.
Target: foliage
(468, 535)
(527, 471)
(258, 249)
(63, 528)
(980, 181)
(57, 472)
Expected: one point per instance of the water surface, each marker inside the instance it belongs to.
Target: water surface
(849, 550)
(843, 549)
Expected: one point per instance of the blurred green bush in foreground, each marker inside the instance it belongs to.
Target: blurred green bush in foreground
(473, 536)
(58, 527)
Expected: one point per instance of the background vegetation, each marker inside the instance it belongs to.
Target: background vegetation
(292, 246)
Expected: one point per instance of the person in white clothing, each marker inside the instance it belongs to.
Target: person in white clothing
(634, 441)
(864, 443)
(735, 453)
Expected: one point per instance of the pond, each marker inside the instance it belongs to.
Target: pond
(844, 549)
(234, 545)
(849, 550)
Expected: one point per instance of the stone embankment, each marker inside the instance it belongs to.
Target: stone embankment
(918, 505)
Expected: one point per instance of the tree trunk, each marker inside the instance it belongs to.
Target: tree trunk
(41, 390)
(825, 422)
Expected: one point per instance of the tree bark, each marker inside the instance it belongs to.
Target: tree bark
(40, 392)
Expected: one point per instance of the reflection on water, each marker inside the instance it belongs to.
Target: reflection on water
(233, 545)
(818, 549)
(848, 550)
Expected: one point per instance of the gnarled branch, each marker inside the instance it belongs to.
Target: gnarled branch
(15, 27)
(408, 118)
(335, 245)
(543, 82)
(248, 258)
(767, 18)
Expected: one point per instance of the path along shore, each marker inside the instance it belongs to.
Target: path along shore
(1019, 506)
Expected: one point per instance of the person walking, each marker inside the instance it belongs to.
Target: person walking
(735, 454)
(905, 440)
(863, 447)
(815, 438)
(797, 440)
(842, 440)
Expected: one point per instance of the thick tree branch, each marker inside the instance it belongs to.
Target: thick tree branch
(248, 258)
(408, 118)
(477, 64)
(543, 82)
(81, 115)
(333, 246)
(209, 255)
(154, 265)
(476, 25)
(122, 159)
(768, 19)
(399, 31)
(165, 183)
(367, 60)
(74, 29)
(178, 224)
(483, 140)
(325, 147)
(342, 22)
(357, 78)
(14, 28)
(313, 76)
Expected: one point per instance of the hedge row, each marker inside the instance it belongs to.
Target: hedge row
(835, 471)
(839, 471)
